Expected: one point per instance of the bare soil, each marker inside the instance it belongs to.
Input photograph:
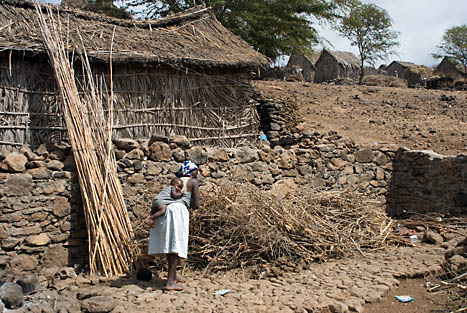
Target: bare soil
(418, 119)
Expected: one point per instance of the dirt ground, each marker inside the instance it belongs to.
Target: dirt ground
(418, 119)
(424, 301)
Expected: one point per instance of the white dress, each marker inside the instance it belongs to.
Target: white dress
(170, 232)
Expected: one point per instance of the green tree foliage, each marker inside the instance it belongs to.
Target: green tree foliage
(368, 27)
(273, 27)
(105, 7)
(454, 45)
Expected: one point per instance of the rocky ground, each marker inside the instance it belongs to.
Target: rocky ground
(415, 118)
(361, 284)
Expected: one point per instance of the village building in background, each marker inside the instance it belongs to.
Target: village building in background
(181, 75)
(416, 76)
(335, 65)
(397, 68)
(306, 63)
(450, 67)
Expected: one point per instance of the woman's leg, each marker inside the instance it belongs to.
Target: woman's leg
(172, 260)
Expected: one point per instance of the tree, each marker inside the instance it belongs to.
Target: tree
(368, 27)
(273, 27)
(454, 45)
(105, 7)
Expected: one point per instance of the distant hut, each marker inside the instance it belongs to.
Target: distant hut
(306, 63)
(383, 69)
(181, 75)
(336, 64)
(397, 68)
(449, 67)
(417, 76)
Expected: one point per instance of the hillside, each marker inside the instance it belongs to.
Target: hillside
(415, 118)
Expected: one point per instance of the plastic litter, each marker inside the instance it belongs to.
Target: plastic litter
(222, 292)
(413, 238)
(404, 299)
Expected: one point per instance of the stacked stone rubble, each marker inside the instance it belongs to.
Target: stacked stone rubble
(42, 222)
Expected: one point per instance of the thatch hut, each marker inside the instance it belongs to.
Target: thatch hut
(306, 63)
(449, 67)
(397, 68)
(336, 64)
(417, 76)
(181, 75)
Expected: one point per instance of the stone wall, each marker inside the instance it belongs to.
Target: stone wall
(42, 222)
(424, 182)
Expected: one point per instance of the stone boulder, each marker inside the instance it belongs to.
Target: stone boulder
(199, 155)
(99, 304)
(126, 144)
(135, 154)
(61, 207)
(55, 256)
(246, 155)
(29, 284)
(12, 295)
(23, 262)
(218, 154)
(160, 151)
(39, 240)
(6, 276)
(16, 162)
(55, 165)
(457, 262)
(432, 237)
(284, 187)
(18, 184)
(364, 155)
(180, 141)
(26, 150)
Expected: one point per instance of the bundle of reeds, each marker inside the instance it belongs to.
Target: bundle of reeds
(244, 226)
(110, 235)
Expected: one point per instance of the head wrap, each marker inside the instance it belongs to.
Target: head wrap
(186, 169)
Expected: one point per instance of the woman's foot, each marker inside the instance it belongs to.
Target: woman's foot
(173, 286)
(179, 279)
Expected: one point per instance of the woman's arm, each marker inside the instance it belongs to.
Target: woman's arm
(194, 193)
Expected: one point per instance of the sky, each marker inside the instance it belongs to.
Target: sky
(420, 23)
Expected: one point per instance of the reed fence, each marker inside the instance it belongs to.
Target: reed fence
(207, 109)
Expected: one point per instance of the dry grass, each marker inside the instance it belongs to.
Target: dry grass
(239, 226)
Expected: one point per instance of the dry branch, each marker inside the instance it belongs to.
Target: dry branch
(240, 225)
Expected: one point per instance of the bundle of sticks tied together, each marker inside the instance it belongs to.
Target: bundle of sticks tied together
(110, 235)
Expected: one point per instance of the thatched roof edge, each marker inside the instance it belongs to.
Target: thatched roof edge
(190, 38)
(343, 57)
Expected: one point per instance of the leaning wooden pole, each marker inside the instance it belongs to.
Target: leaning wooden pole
(110, 236)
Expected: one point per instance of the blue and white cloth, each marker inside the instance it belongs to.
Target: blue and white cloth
(186, 169)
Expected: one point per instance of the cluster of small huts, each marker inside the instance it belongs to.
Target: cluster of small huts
(326, 65)
(181, 75)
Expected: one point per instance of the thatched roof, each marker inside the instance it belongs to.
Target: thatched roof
(344, 57)
(192, 38)
(450, 64)
(403, 64)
